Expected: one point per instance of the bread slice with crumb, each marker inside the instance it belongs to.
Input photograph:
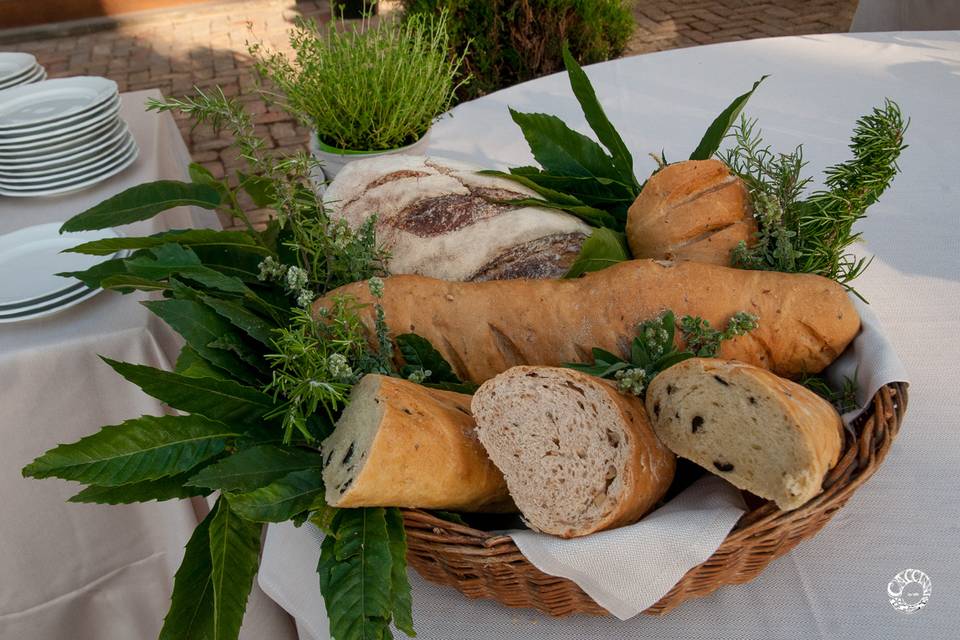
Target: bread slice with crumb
(400, 444)
(764, 434)
(578, 456)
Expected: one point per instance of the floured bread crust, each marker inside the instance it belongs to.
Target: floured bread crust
(439, 218)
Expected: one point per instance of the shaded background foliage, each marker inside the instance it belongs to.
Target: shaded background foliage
(510, 41)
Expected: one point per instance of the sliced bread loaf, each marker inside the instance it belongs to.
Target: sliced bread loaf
(577, 455)
(769, 436)
(400, 444)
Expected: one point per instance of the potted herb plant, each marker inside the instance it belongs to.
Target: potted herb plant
(367, 90)
(353, 8)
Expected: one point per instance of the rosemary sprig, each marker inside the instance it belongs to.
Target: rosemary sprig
(328, 251)
(314, 366)
(844, 399)
(813, 235)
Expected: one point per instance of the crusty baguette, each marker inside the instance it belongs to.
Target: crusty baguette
(483, 328)
(769, 436)
(578, 455)
(692, 210)
(399, 444)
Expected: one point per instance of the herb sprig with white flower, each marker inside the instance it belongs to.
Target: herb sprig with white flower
(654, 349)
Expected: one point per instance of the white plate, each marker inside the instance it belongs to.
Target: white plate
(30, 75)
(13, 65)
(70, 123)
(39, 76)
(43, 301)
(81, 152)
(52, 100)
(63, 145)
(57, 176)
(61, 125)
(51, 309)
(55, 134)
(30, 257)
(107, 172)
(66, 171)
(77, 148)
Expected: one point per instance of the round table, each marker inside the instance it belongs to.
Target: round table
(907, 515)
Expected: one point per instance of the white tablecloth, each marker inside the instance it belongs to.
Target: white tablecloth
(907, 515)
(77, 571)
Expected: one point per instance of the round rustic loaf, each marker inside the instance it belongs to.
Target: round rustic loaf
(694, 210)
(439, 218)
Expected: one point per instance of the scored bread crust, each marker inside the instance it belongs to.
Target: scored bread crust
(646, 472)
(440, 218)
(692, 210)
(814, 427)
(424, 454)
(483, 328)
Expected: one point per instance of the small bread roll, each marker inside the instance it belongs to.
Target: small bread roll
(578, 456)
(694, 210)
(766, 435)
(400, 444)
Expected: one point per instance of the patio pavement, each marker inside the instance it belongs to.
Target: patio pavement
(205, 46)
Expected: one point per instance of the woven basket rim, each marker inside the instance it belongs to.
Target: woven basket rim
(485, 565)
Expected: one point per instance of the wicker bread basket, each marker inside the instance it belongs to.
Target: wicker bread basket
(484, 566)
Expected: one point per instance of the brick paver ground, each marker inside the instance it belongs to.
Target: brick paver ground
(205, 46)
(670, 24)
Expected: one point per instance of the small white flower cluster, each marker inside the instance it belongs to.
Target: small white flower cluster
(341, 235)
(376, 286)
(768, 206)
(294, 280)
(419, 375)
(654, 336)
(742, 323)
(270, 269)
(632, 381)
(304, 298)
(339, 367)
(296, 284)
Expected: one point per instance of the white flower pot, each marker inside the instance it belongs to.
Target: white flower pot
(335, 159)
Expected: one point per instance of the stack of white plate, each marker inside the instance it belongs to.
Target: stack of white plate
(30, 258)
(19, 68)
(61, 135)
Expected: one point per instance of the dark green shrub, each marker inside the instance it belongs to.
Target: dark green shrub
(515, 40)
